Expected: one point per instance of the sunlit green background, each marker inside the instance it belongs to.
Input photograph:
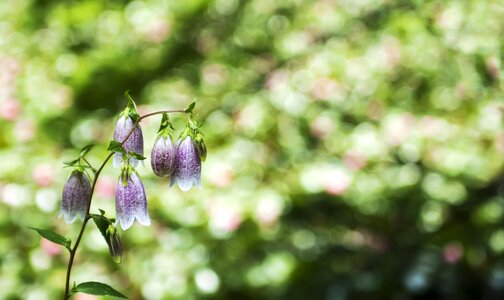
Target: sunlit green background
(355, 147)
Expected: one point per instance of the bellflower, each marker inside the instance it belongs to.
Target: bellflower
(131, 201)
(76, 196)
(134, 143)
(163, 156)
(188, 170)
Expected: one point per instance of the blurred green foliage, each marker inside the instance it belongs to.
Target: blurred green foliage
(355, 147)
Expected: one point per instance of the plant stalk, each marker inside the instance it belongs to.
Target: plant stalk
(88, 208)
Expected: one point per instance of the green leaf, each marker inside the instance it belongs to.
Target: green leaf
(102, 223)
(192, 123)
(116, 147)
(133, 115)
(165, 125)
(190, 108)
(86, 149)
(98, 288)
(71, 163)
(81, 167)
(110, 235)
(131, 108)
(137, 156)
(53, 237)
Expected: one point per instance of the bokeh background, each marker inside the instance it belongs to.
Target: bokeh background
(355, 147)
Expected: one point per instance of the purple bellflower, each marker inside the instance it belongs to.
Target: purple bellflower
(188, 169)
(134, 143)
(163, 156)
(131, 201)
(76, 196)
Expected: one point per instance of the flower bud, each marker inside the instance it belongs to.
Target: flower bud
(131, 201)
(134, 143)
(188, 170)
(76, 196)
(200, 146)
(114, 243)
(163, 156)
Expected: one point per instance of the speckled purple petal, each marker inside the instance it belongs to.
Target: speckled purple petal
(76, 193)
(188, 170)
(163, 156)
(134, 142)
(131, 202)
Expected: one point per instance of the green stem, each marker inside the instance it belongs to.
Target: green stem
(93, 185)
(87, 162)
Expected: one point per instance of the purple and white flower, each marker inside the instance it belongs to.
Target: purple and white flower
(131, 201)
(76, 196)
(163, 156)
(188, 169)
(134, 143)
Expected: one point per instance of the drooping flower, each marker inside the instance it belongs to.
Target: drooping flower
(163, 156)
(76, 196)
(188, 169)
(131, 201)
(134, 143)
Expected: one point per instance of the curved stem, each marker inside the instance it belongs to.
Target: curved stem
(88, 208)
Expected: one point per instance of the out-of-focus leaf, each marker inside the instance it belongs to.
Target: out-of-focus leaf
(97, 288)
(71, 163)
(190, 108)
(86, 149)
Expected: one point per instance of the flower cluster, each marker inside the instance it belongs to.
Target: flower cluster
(181, 161)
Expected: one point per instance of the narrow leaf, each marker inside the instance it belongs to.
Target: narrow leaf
(53, 237)
(131, 108)
(190, 107)
(165, 124)
(137, 156)
(98, 288)
(86, 149)
(116, 147)
(70, 162)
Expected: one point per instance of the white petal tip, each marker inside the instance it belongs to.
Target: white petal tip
(184, 184)
(125, 224)
(144, 220)
(184, 188)
(69, 219)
